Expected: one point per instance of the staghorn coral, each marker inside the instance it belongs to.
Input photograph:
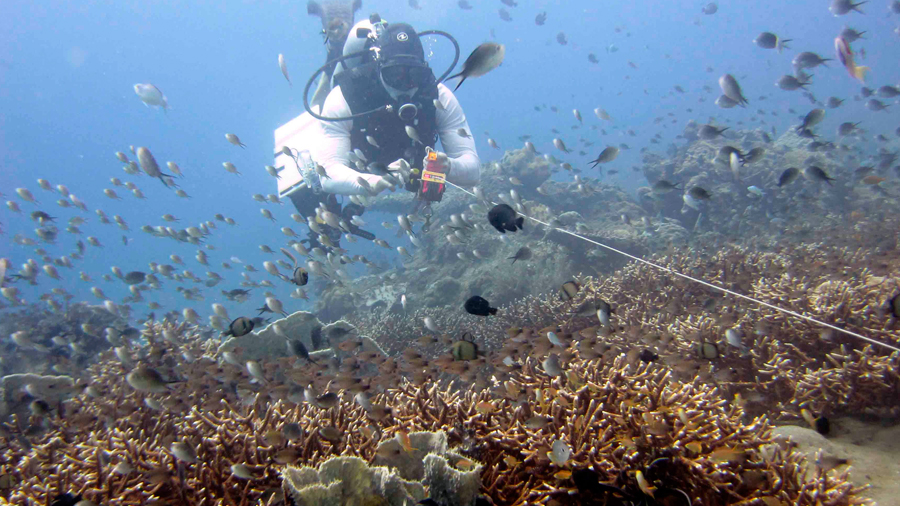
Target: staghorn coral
(617, 418)
(673, 420)
(600, 410)
(783, 356)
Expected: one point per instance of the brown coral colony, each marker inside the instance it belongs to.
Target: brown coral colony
(611, 422)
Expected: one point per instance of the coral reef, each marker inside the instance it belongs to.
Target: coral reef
(805, 209)
(396, 476)
(427, 459)
(266, 344)
(58, 355)
(677, 392)
(848, 213)
(617, 415)
(445, 274)
(17, 391)
(783, 364)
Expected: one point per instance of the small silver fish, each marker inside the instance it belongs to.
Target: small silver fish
(552, 366)
(731, 89)
(413, 134)
(283, 66)
(483, 59)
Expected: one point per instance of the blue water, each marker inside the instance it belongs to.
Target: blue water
(67, 104)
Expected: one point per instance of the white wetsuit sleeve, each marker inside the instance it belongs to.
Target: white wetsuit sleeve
(465, 166)
(334, 146)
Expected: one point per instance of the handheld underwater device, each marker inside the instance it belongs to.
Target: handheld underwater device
(434, 179)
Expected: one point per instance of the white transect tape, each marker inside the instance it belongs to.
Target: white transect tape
(704, 283)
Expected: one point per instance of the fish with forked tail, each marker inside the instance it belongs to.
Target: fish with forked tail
(846, 56)
(483, 59)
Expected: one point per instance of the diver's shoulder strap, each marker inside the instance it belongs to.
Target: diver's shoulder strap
(359, 86)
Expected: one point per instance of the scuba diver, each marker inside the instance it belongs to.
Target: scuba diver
(386, 112)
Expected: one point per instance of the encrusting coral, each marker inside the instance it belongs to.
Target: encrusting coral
(17, 390)
(424, 456)
(397, 476)
(346, 481)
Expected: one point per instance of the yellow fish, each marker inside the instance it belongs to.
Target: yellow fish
(565, 474)
(403, 439)
(465, 464)
(845, 55)
(644, 484)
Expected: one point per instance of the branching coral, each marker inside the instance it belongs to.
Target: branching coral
(617, 419)
(652, 309)
(553, 392)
